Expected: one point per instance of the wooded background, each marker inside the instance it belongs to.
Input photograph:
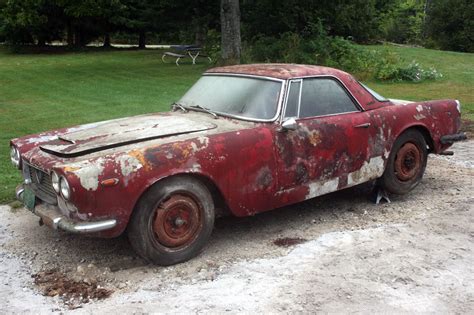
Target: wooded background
(440, 24)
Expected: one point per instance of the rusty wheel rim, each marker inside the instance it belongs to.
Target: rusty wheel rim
(408, 162)
(177, 221)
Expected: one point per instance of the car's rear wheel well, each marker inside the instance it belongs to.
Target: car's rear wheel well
(426, 134)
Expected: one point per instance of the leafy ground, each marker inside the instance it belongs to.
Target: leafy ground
(45, 91)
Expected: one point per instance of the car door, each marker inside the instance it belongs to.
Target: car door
(329, 145)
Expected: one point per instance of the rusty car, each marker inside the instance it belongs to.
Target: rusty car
(244, 139)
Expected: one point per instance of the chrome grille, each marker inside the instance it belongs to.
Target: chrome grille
(40, 182)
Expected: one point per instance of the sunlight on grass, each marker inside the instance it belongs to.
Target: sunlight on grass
(457, 82)
(49, 91)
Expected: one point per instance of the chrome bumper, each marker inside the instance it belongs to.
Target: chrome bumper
(52, 217)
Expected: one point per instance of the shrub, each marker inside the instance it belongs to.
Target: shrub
(414, 72)
(316, 47)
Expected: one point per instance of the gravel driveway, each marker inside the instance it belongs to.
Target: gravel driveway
(412, 255)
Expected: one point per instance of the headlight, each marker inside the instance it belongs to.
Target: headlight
(64, 187)
(15, 157)
(55, 182)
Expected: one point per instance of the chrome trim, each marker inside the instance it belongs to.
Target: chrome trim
(244, 75)
(287, 94)
(18, 192)
(52, 217)
(280, 98)
(338, 80)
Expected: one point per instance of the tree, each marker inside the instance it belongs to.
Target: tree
(450, 24)
(230, 32)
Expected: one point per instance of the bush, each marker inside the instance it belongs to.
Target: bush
(414, 72)
(317, 48)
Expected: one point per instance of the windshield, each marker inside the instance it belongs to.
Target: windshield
(236, 96)
(377, 96)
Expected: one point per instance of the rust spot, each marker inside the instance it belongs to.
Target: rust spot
(140, 157)
(314, 138)
(70, 169)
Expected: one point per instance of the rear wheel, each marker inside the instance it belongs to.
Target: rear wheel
(406, 163)
(173, 221)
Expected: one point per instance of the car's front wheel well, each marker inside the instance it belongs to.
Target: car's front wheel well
(221, 208)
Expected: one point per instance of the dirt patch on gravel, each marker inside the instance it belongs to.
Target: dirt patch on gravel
(289, 241)
(414, 254)
(73, 293)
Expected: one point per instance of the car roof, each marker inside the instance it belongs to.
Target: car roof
(282, 71)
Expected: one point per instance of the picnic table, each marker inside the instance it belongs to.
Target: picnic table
(185, 51)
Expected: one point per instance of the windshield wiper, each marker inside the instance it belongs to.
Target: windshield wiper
(205, 109)
(177, 105)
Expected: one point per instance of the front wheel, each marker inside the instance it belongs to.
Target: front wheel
(173, 221)
(406, 163)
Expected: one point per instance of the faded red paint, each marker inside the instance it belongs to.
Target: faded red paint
(254, 166)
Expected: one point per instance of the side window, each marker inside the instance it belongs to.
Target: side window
(293, 99)
(322, 96)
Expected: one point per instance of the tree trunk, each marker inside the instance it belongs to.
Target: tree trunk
(142, 40)
(70, 34)
(200, 35)
(230, 32)
(107, 40)
(41, 41)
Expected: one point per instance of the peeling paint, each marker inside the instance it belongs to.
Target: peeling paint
(320, 188)
(419, 116)
(88, 173)
(129, 164)
(370, 170)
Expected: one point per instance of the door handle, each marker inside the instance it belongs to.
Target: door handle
(366, 125)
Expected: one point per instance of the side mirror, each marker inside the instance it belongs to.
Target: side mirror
(289, 124)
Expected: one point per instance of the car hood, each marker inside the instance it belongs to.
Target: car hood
(114, 133)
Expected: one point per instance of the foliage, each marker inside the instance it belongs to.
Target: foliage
(413, 72)
(404, 22)
(450, 24)
(316, 47)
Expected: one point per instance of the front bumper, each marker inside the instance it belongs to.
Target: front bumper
(52, 217)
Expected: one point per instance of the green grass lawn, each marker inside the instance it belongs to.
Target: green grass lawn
(40, 92)
(457, 82)
(48, 91)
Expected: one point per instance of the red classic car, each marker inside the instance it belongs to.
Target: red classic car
(243, 139)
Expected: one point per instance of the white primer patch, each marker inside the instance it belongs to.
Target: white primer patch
(369, 170)
(419, 108)
(419, 116)
(129, 164)
(204, 141)
(88, 173)
(39, 139)
(320, 188)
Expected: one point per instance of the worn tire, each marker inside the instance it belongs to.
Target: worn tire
(406, 163)
(173, 221)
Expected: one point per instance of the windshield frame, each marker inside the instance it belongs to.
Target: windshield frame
(280, 97)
